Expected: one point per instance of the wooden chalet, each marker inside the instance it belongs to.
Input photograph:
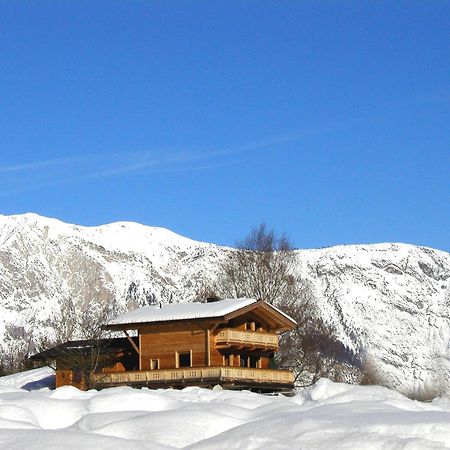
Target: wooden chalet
(228, 342)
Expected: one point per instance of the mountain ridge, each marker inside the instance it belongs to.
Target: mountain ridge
(127, 223)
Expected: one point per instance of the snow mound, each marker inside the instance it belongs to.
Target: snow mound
(30, 380)
(194, 418)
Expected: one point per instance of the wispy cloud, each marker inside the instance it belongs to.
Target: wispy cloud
(38, 165)
(74, 169)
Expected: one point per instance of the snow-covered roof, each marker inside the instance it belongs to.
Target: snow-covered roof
(182, 311)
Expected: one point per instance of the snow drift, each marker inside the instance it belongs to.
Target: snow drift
(326, 415)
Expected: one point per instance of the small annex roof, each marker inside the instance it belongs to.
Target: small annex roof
(188, 311)
(82, 346)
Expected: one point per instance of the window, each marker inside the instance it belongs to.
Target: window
(254, 361)
(249, 326)
(184, 359)
(249, 361)
(272, 362)
(154, 364)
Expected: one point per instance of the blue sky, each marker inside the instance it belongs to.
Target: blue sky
(328, 120)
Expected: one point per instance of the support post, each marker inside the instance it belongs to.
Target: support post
(208, 347)
(132, 342)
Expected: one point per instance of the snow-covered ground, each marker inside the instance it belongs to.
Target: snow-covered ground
(327, 415)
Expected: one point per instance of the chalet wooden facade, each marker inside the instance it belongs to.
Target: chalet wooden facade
(229, 342)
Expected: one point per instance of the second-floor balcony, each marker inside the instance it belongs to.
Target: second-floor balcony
(229, 337)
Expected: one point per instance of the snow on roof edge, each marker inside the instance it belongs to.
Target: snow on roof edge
(283, 313)
(182, 311)
(186, 311)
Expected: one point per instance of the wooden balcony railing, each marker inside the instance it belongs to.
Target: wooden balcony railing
(202, 374)
(230, 338)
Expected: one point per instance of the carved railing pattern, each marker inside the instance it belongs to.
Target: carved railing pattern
(195, 373)
(229, 336)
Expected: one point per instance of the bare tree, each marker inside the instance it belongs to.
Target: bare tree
(263, 267)
(79, 319)
(312, 349)
(17, 346)
(87, 303)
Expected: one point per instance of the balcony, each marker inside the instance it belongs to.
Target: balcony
(246, 339)
(198, 376)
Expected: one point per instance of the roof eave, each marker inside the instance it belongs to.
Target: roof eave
(137, 325)
(286, 322)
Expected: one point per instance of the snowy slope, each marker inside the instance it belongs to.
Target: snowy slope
(390, 300)
(43, 261)
(326, 415)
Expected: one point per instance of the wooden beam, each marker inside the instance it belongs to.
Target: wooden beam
(208, 347)
(215, 326)
(180, 324)
(132, 342)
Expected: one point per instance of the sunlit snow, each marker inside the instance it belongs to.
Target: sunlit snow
(181, 311)
(326, 415)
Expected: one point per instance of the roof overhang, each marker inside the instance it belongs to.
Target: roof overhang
(278, 320)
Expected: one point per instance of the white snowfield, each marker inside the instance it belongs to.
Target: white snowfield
(325, 416)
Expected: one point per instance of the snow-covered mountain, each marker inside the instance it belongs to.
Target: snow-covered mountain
(392, 300)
